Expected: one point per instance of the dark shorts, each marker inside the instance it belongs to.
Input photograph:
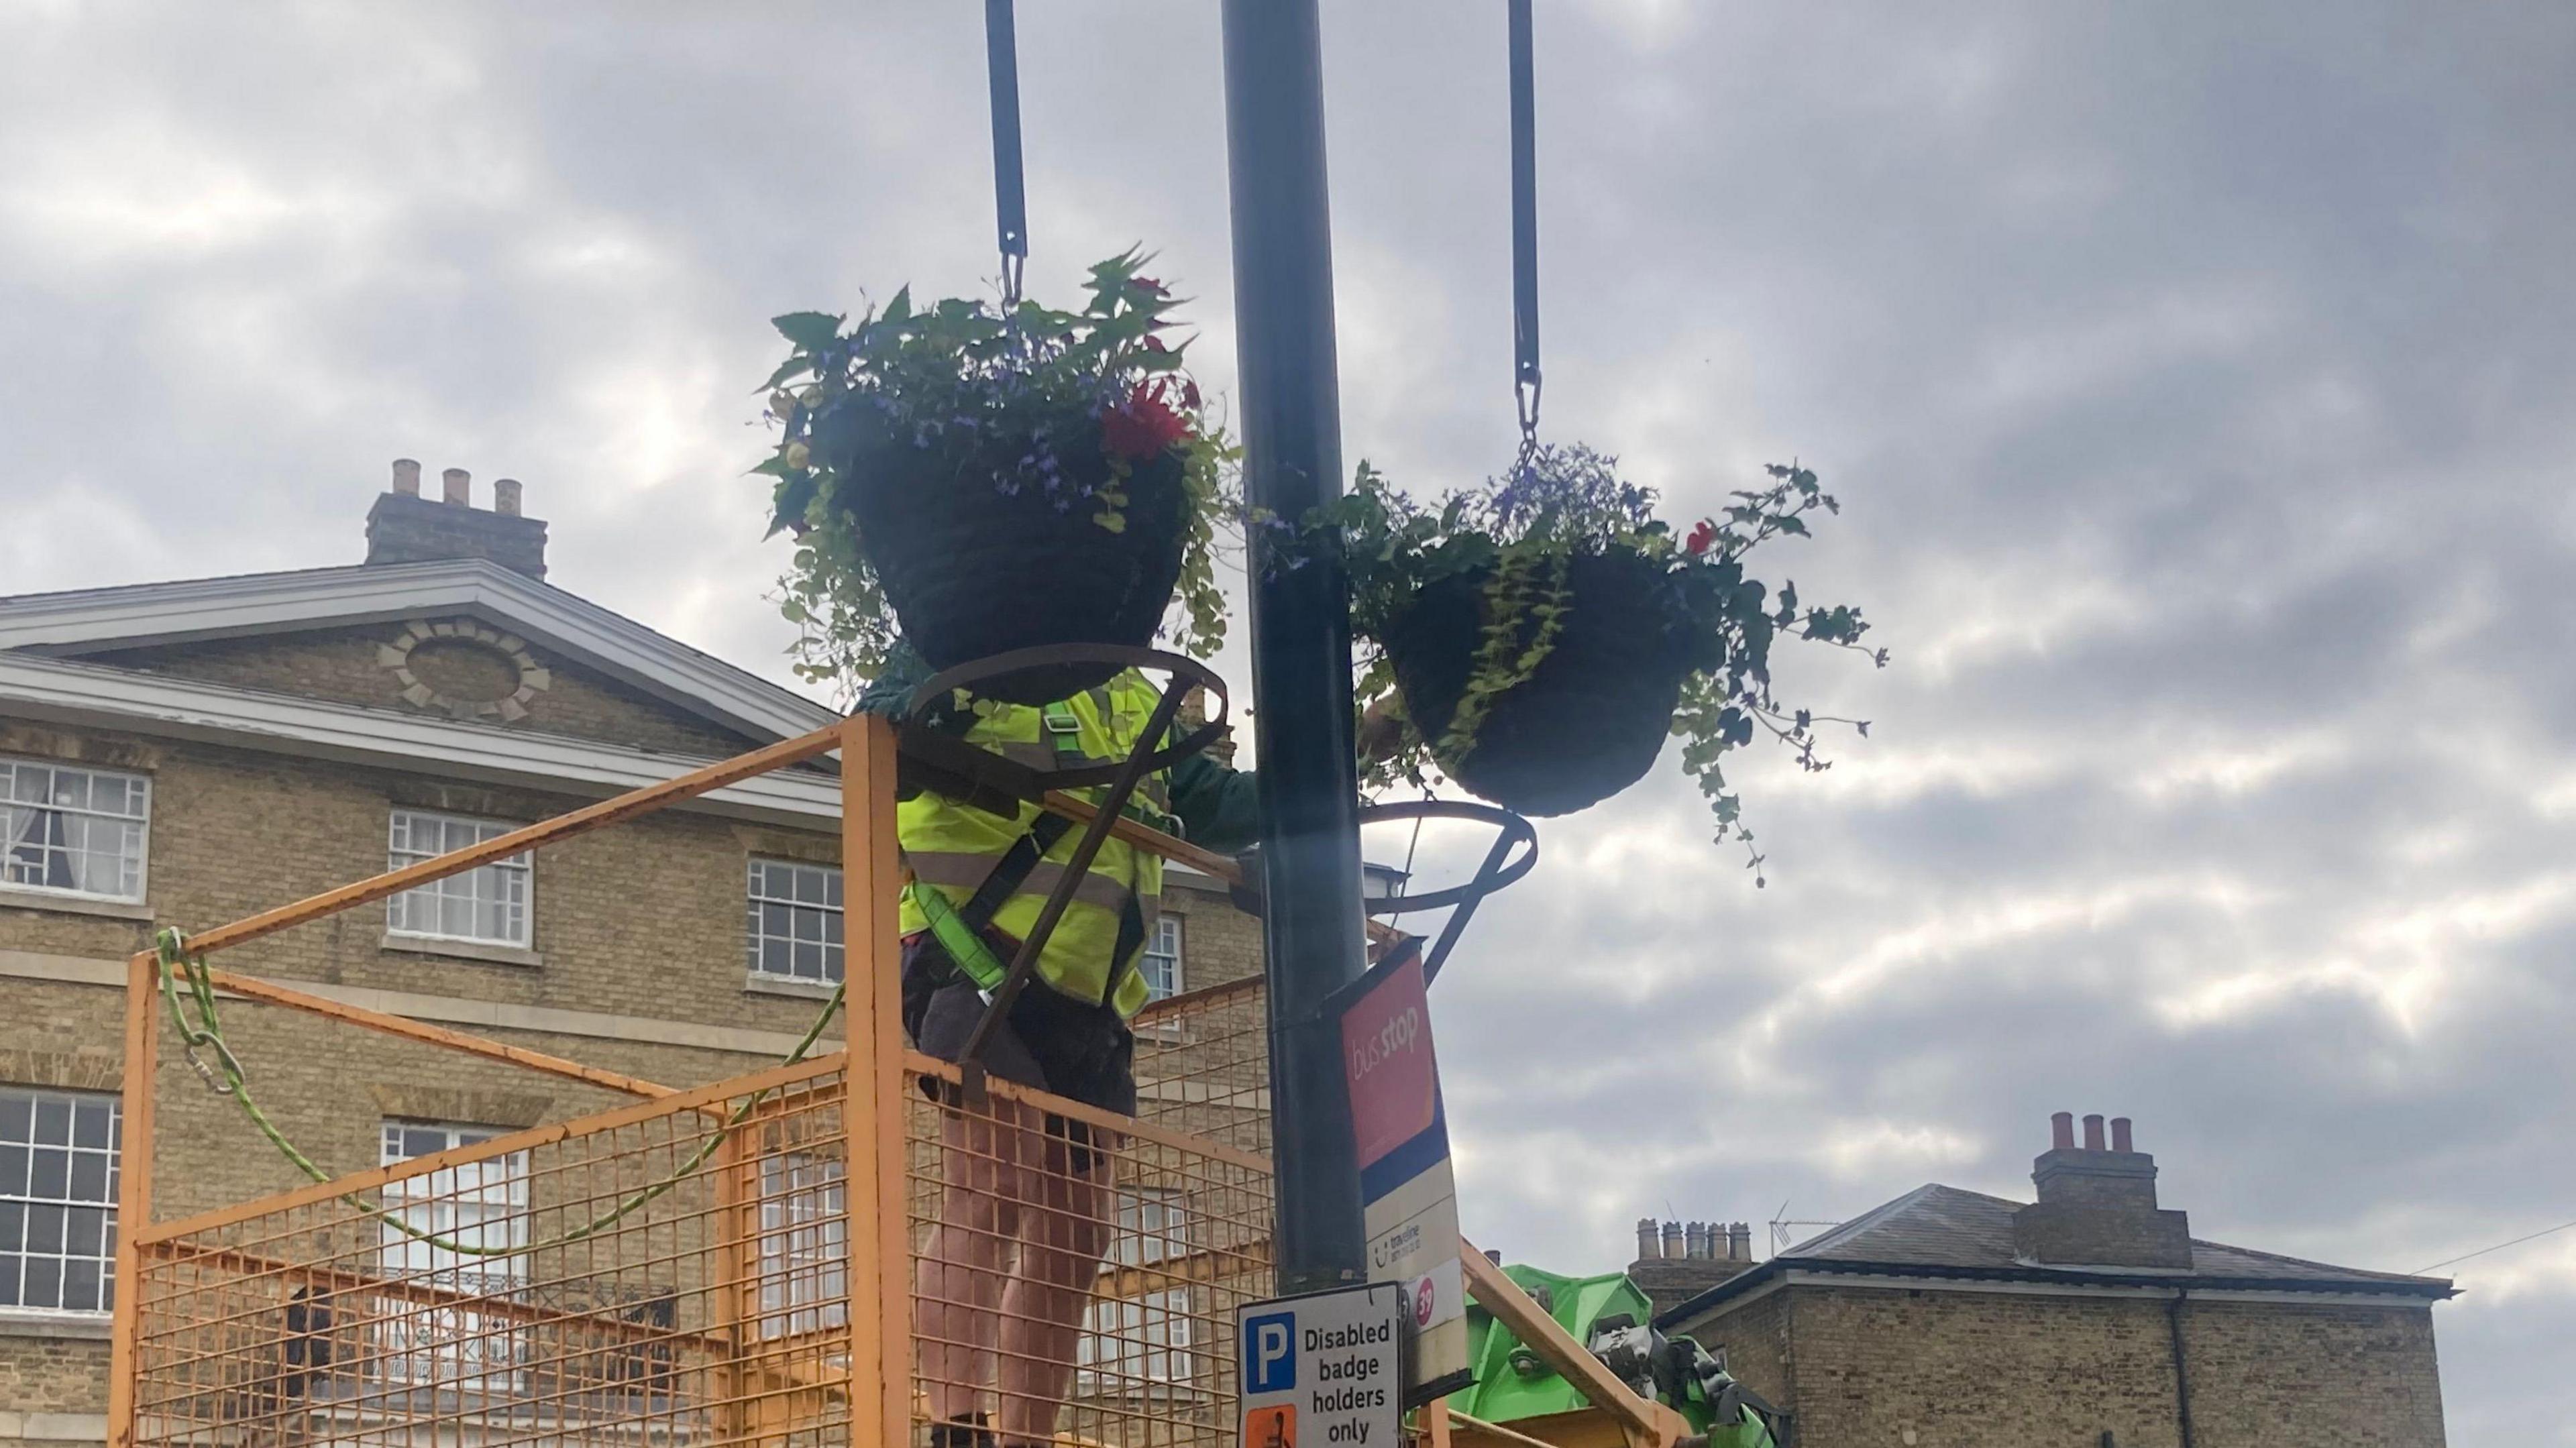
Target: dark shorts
(1055, 1044)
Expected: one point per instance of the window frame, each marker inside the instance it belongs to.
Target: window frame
(523, 863)
(804, 1245)
(1130, 1363)
(833, 917)
(1177, 955)
(452, 1345)
(142, 824)
(28, 1203)
(1132, 1242)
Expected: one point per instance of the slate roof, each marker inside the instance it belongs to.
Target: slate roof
(1941, 1231)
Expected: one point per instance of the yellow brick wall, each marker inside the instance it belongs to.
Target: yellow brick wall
(2312, 1377)
(641, 920)
(1957, 1369)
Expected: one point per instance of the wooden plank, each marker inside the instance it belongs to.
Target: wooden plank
(134, 1188)
(1434, 1419)
(1648, 1424)
(1582, 1428)
(1172, 847)
(1146, 837)
(545, 832)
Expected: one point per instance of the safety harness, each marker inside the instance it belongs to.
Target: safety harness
(959, 929)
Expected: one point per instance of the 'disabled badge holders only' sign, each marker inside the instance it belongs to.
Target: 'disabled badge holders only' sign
(1325, 1370)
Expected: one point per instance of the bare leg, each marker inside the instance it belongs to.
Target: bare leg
(958, 1283)
(1066, 1230)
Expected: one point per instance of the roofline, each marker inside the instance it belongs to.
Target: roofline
(2425, 1289)
(93, 620)
(61, 691)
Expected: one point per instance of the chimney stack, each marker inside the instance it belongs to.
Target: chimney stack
(2097, 1204)
(1677, 1261)
(404, 527)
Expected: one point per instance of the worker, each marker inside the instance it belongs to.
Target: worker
(1027, 1209)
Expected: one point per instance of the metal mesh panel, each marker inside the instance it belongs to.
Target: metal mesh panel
(1072, 1274)
(1203, 1065)
(714, 1313)
(1076, 1273)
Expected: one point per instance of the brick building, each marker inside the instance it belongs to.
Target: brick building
(2091, 1317)
(189, 753)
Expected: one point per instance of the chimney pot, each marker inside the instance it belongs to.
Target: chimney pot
(1740, 1242)
(1673, 1249)
(1649, 1245)
(2093, 1133)
(2120, 1139)
(1697, 1235)
(2061, 1131)
(505, 497)
(404, 527)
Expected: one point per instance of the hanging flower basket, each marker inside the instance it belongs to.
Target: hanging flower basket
(1541, 636)
(1593, 713)
(974, 480)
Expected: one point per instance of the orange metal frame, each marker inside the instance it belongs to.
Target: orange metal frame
(876, 1061)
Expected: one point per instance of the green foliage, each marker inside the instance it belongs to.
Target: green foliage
(968, 379)
(1522, 532)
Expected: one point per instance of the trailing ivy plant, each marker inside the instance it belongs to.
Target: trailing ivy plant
(976, 377)
(1521, 533)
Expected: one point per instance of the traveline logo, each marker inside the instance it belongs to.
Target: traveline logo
(1270, 1353)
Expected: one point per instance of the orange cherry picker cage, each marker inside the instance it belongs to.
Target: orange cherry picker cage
(739, 1263)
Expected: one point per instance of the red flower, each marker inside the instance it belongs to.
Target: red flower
(1144, 426)
(1701, 537)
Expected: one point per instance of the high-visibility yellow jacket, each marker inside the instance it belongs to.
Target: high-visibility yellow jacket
(952, 847)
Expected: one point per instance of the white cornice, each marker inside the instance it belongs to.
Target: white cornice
(62, 691)
(94, 620)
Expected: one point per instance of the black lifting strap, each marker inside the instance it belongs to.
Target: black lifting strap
(1013, 869)
(1524, 85)
(1010, 200)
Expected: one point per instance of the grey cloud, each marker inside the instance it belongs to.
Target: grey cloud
(2194, 379)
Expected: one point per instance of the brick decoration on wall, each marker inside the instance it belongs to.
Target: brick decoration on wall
(509, 707)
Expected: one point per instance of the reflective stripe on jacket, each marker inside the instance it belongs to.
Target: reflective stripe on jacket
(951, 847)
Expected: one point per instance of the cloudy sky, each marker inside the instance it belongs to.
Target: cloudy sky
(2195, 378)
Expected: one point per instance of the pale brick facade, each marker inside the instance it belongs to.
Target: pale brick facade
(636, 953)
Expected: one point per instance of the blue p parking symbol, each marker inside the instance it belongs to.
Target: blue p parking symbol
(1270, 1353)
